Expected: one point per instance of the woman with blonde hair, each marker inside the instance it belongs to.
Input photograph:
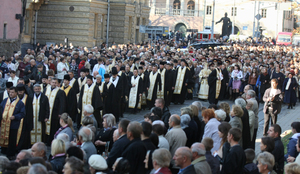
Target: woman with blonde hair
(66, 124)
(236, 121)
(104, 139)
(58, 152)
(226, 107)
(292, 168)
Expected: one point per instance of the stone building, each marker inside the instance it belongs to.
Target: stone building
(84, 22)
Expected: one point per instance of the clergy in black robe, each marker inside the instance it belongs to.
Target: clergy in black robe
(144, 78)
(212, 83)
(26, 125)
(170, 84)
(224, 84)
(182, 78)
(265, 81)
(41, 112)
(135, 92)
(71, 99)
(56, 98)
(153, 83)
(114, 95)
(162, 72)
(90, 94)
(73, 82)
(106, 84)
(124, 80)
(5, 94)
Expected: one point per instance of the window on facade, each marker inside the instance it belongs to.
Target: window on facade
(191, 5)
(176, 4)
(102, 26)
(208, 10)
(96, 26)
(4, 31)
(27, 22)
(138, 21)
(129, 28)
(233, 11)
(263, 13)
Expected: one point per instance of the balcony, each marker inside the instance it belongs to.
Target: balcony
(178, 12)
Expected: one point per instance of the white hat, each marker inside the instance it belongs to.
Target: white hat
(97, 162)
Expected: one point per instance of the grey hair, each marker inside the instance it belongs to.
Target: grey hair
(86, 134)
(251, 93)
(3, 160)
(162, 157)
(250, 104)
(220, 113)
(110, 120)
(36, 85)
(266, 158)
(65, 138)
(198, 104)
(89, 109)
(184, 121)
(37, 169)
(240, 102)
(196, 148)
(41, 146)
(27, 154)
(97, 76)
(186, 110)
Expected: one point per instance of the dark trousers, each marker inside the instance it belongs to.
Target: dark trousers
(11, 149)
(169, 97)
(267, 120)
(253, 139)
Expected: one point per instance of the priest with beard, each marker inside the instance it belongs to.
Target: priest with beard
(71, 99)
(73, 82)
(162, 72)
(135, 93)
(41, 112)
(182, 79)
(57, 106)
(125, 82)
(106, 87)
(115, 92)
(153, 83)
(26, 124)
(90, 94)
(214, 83)
(103, 90)
(5, 94)
(44, 84)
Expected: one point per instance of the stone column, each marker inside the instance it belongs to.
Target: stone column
(182, 7)
(153, 7)
(196, 13)
(167, 7)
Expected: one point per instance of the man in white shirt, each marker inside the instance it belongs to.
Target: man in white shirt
(13, 78)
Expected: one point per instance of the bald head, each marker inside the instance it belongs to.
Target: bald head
(183, 157)
(174, 120)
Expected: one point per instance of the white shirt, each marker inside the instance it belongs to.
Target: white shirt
(14, 81)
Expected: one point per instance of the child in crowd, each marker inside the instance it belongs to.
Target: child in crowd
(250, 167)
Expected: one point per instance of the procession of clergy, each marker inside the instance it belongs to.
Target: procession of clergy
(32, 113)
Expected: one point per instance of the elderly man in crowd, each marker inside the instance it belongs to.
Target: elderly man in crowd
(39, 149)
(251, 97)
(183, 159)
(199, 159)
(161, 159)
(85, 137)
(24, 154)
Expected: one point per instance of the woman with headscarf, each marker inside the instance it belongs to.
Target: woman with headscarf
(289, 90)
(203, 75)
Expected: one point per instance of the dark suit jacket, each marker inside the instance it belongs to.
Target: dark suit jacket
(275, 104)
(189, 170)
(116, 150)
(235, 161)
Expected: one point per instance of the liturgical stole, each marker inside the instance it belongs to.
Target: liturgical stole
(71, 83)
(152, 83)
(218, 86)
(81, 83)
(5, 123)
(36, 133)
(21, 122)
(179, 80)
(51, 96)
(143, 99)
(87, 97)
(42, 87)
(133, 91)
(160, 94)
(67, 90)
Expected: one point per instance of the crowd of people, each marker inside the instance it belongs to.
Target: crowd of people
(46, 91)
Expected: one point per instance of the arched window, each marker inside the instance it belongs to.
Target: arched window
(176, 4)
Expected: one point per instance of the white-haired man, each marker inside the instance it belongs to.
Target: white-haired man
(39, 149)
(88, 111)
(199, 160)
(85, 137)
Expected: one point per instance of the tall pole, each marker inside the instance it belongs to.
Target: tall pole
(254, 19)
(213, 21)
(258, 21)
(107, 23)
(232, 25)
(204, 14)
(277, 10)
(35, 27)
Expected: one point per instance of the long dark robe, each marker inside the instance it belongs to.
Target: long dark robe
(58, 109)
(170, 82)
(124, 93)
(71, 103)
(76, 86)
(180, 98)
(43, 114)
(114, 99)
(96, 103)
(290, 94)
(1, 96)
(223, 92)
(105, 136)
(24, 142)
(157, 83)
(265, 83)
(246, 130)
(212, 83)
(139, 91)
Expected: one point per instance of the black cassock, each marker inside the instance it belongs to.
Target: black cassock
(151, 102)
(58, 109)
(169, 83)
(139, 91)
(114, 98)
(43, 114)
(223, 92)
(24, 142)
(179, 98)
(76, 86)
(1, 96)
(212, 83)
(71, 103)
(96, 103)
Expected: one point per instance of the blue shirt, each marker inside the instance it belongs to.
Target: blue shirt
(181, 170)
